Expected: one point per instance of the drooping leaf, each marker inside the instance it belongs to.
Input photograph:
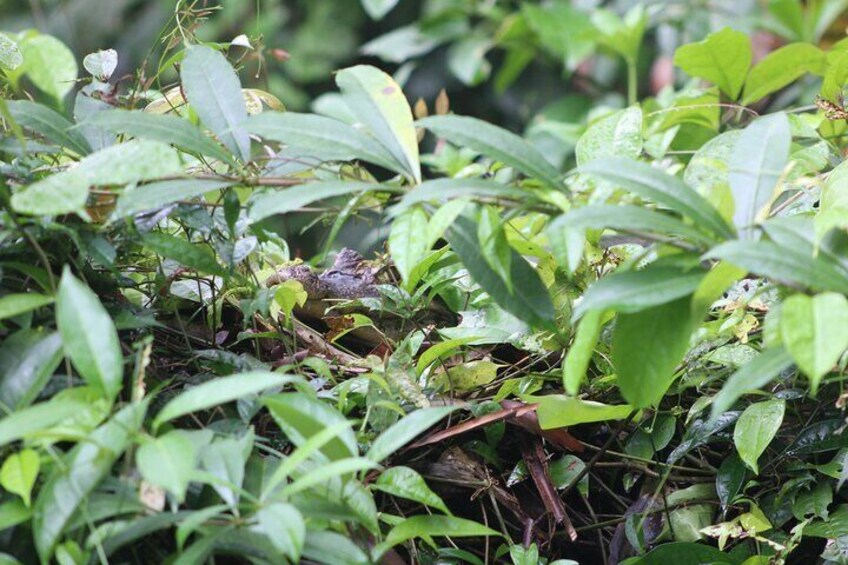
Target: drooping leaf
(755, 429)
(89, 335)
(407, 483)
(448, 189)
(225, 460)
(528, 300)
(781, 67)
(782, 264)
(196, 256)
(405, 430)
(82, 470)
(730, 478)
(16, 304)
(283, 525)
(158, 194)
(722, 58)
(408, 241)
(629, 218)
(634, 291)
(379, 104)
(432, 526)
(18, 473)
(321, 137)
(27, 360)
(269, 203)
(37, 417)
(168, 462)
(580, 353)
(756, 164)
(163, 128)
(494, 246)
(378, 8)
(494, 142)
(653, 184)
(751, 376)
(212, 87)
(220, 391)
(815, 332)
(558, 411)
(302, 416)
(647, 346)
(49, 123)
(125, 163)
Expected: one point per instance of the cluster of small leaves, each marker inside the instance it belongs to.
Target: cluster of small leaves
(688, 277)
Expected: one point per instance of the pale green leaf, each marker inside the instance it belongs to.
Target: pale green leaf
(212, 87)
(405, 430)
(269, 203)
(27, 360)
(558, 411)
(18, 473)
(755, 429)
(13, 305)
(433, 526)
(194, 255)
(780, 68)
(379, 104)
(815, 332)
(158, 194)
(49, 123)
(284, 527)
(168, 462)
(722, 58)
(580, 353)
(407, 483)
(408, 240)
(33, 419)
(616, 135)
(89, 335)
(49, 64)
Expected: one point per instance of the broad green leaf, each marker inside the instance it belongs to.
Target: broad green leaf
(751, 376)
(13, 305)
(647, 346)
(301, 416)
(622, 35)
(125, 163)
(558, 411)
(712, 287)
(269, 203)
(634, 291)
(781, 67)
(755, 429)
(284, 527)
(168, 462)
(449, 189)
(580, 353)
(10, 53)
(563, 29)
(33, 419)
(684, 553)
(163, 128)
(722, 58)
(198, 256)
(158, 194)
(405, 430)
(494, 142)
(27, 360)
(815, 332)
(81, 471)
(629, 218)
(493, 244)
(432, 526)
(49, 64)
(653, 184)
(782, 264)
(467, 376)
(836, 525)
(212, 87)
(327, 473)
(757, 163)
(89, 335)
(326, 546)
(18, 473)
(408, 240)
(528, 300)
(379, 104)
(49, 123)
(616, 135)
(13, 513)
(225, 460)
(378, 8)
(467, 59)
(407, 483)
(438, 351)
(220, 391)
(320, 137)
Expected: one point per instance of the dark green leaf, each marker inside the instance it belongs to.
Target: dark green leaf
(405, 430)
(49, 123)
(27, 360)
(269, 203)
(496, 143)
(528, 300)
(302, 416)
(158, 194)
(406, 483)
(196, 256)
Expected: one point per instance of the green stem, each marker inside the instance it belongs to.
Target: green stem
(632, 81)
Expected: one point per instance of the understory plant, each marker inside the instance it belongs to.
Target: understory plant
(633, 352)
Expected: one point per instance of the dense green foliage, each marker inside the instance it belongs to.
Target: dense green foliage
(618, 338)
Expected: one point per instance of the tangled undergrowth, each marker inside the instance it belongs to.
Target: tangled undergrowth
(636, 360)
